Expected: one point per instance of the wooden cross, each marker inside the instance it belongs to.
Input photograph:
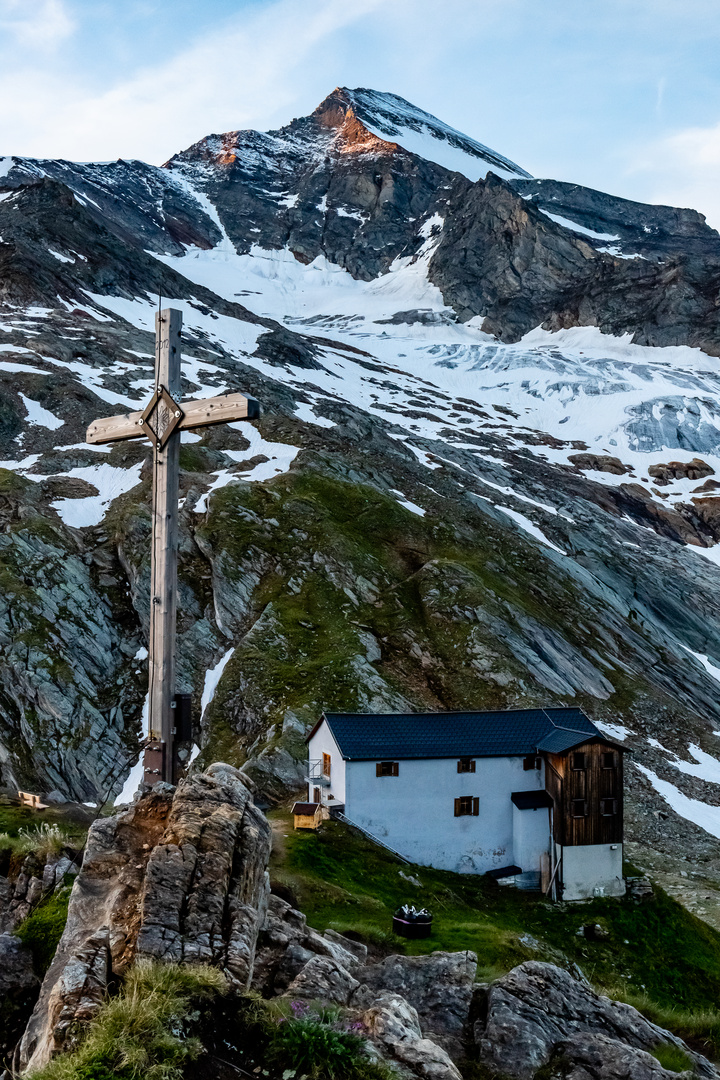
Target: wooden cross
(162, 421)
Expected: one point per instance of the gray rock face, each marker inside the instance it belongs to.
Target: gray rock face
(538, 1013)
(18, 989)
(439, 987)
(16, 968)
(180, 875)
(394, 1025)
(287, 945)
(323, 979)
(19, 895)
(205, 884)
(598, 1057)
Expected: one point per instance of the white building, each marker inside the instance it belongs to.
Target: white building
(534, 794)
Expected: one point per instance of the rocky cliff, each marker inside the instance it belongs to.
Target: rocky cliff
(484, 475)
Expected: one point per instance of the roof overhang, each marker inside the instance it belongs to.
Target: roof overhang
(531, 800)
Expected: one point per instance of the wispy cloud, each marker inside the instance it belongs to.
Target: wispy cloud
(250, 64)
(37, 24)
(682, 170)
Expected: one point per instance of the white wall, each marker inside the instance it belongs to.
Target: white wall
(586, 867)
(414, 812)
(531, 836)
(323, 742)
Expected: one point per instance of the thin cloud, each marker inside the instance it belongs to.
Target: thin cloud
(682, 170)
(251, 65)
(37, 24)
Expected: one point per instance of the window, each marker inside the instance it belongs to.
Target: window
(579, 808)
(316, 794)
(466, 764)
(578, 762)
(608, 807)
(531, 762)
(326, 764)
(386, 768)
(608, 759)
(467, 806)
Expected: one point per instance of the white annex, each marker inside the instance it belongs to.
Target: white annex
(480, 792)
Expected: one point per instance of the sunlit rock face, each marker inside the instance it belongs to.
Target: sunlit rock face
(474, 484)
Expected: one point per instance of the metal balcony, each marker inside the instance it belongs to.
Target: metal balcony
(315, 774)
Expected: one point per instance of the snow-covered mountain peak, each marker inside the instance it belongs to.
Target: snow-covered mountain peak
(359, 120)
(392, 118)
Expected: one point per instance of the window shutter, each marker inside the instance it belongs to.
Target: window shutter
(395, 768)
(476, 806)
(457, 808)
(378, 769)
(472, 766)
(459, 766)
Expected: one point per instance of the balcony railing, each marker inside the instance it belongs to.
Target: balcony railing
(316, 775)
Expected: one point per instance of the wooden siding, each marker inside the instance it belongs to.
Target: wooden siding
(590, 786)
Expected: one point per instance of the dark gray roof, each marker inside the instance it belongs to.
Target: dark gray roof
(373, 736)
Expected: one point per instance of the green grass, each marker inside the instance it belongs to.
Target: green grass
(42, 929)
(316, 1042)
(657, 954)
(673, 1058)
(147, 1031)
(14, 819)
(167, 1016)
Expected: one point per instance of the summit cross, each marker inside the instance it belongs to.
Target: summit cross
(162, 421)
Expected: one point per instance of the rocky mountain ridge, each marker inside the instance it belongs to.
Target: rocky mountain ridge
(474, 484)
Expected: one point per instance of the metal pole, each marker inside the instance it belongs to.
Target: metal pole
(163, 591)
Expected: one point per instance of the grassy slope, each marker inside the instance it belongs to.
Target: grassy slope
(655, 951)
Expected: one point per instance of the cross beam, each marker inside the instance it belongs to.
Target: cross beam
(162, 421)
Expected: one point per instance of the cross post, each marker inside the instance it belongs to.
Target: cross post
(162, 421)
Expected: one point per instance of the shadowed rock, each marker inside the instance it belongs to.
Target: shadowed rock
(179, 875)
(538, 1013)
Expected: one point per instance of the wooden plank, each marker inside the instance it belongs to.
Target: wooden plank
(163, 589)
(198, 413)
(591, 784)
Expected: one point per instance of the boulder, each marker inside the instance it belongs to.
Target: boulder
(696, 469)
(598, 1057)
(394, 1026)
(323, 979)
(439, 987)
(356, 948)
(178, 875)
(287, 943)
(600, 463)
(537, 1009)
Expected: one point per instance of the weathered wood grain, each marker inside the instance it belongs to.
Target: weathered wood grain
(199, 413)
(163, 589)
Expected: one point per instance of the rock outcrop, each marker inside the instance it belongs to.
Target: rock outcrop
(18, 990)
(393, 1024)
(538, 1014)
(179, 875)
(439, 987)
(21, 893)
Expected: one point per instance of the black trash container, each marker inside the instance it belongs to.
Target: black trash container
(410, 923)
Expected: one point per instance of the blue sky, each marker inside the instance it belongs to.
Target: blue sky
(623, 95)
